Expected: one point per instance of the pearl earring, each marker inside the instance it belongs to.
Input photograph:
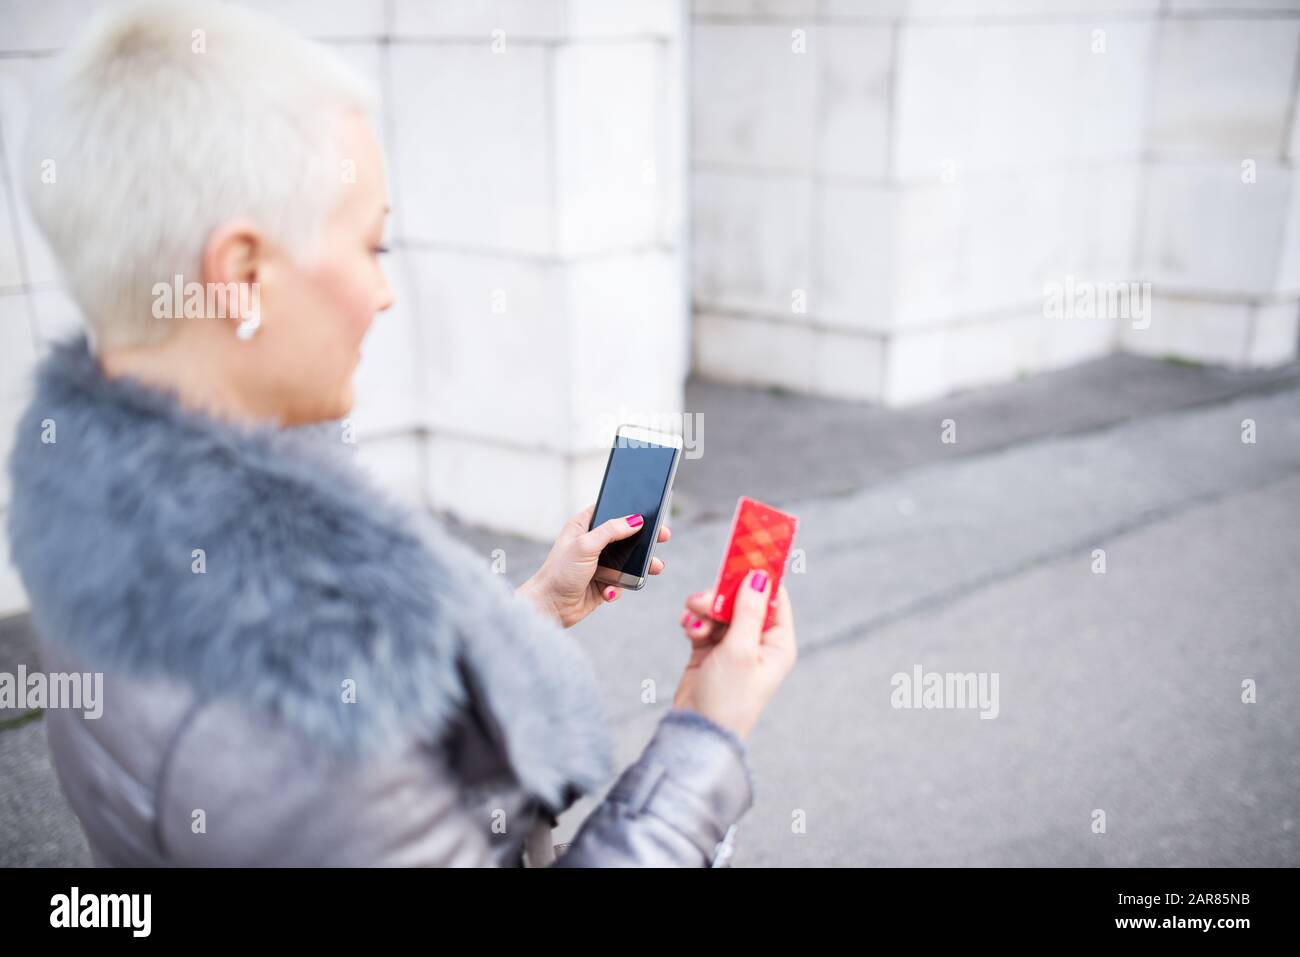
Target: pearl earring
(248, 327)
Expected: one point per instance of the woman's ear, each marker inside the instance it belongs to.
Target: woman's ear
(232, 264)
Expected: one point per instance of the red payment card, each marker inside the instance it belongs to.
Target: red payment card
(761, 537)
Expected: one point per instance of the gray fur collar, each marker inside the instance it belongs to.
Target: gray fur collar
(312, 578)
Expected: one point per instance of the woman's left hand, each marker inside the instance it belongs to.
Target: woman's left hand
(563, 587)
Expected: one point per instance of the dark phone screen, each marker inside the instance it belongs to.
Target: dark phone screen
(635, 479)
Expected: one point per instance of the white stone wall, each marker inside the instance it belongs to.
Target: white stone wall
(536, 156)
(884, 192)
(1223, 253)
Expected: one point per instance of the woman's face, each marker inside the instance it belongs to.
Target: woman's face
(315, 313)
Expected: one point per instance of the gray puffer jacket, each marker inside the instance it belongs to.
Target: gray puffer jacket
(297, 672)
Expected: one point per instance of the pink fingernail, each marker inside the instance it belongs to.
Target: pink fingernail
(635, 520)
(610, 594)
(695, 623)
(759, 581)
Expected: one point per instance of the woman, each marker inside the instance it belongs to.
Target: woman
(294, 672)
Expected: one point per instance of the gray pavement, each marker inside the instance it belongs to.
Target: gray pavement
(1118, 692)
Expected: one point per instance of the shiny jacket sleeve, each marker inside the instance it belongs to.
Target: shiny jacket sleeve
(676, 806)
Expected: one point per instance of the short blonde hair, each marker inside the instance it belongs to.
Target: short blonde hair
(166, 119)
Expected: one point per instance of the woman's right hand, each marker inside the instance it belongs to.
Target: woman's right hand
(735, 668)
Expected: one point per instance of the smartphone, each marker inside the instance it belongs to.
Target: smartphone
(638, 481)
(761, 537)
